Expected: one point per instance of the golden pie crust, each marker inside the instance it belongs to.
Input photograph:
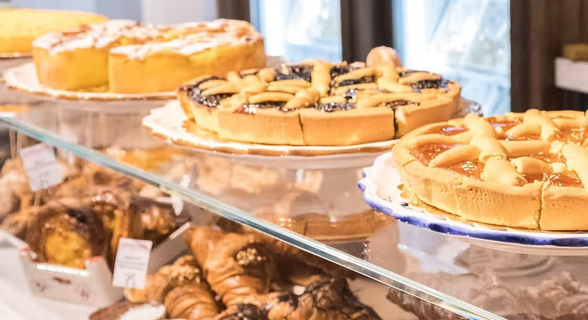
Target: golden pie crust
(318, 103)
(519, 170)
(128, 57)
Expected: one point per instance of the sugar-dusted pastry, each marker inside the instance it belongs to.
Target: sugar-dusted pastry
(19, 26)
(318, 103)
(135, 58)
(526, 170)
(181, 288)
(236, 266)
(66, 236)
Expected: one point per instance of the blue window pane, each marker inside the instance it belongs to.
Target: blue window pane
(465, 40)
(300, 29)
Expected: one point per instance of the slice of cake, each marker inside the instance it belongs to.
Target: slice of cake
(19, 27)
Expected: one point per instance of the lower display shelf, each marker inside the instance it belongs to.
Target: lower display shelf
(320, 211)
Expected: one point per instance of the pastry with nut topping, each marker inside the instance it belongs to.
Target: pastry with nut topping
(318, 103)
(129, 57)
(525, 170)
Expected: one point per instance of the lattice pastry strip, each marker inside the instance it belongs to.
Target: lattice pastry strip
(504, 157)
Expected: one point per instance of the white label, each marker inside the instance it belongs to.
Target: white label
(41, 168)
(132, 260)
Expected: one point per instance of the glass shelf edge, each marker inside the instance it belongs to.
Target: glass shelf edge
(324, 251)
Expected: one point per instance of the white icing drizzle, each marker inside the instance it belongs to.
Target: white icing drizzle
(143, 40)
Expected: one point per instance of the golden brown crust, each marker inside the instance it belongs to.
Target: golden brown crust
(268, 126)
(347, 128)
(336, 105)
(129, 57)
(510, 185)
(564, 208)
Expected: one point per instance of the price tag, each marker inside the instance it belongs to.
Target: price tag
(40, 165)
(132, 260)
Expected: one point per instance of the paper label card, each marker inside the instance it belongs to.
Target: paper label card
(41, 167)
(132, 260)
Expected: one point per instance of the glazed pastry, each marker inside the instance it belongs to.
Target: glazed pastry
(527, 170)
(158, 220)
(284, 252)
(130, 311)
(246, 311)
(66, 236)
(181, 288)
(318, 104)
(328, 299)
(130, 57)
(236, 266)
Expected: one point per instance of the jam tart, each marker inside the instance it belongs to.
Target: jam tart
(526, 170)
(129, 57)
(318, 103)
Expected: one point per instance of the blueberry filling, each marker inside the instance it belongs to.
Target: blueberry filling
(430, 84)
(366, 79)
(251, 108)
(350, 94)
(338, 70)
(211, 101)
(407, 73)
(295, 73)
(399, 103)
(334, 106)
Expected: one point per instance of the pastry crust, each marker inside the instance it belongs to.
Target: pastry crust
(508, 187)
(269, 126)
(347, 127)
(319, 104)
(564, 208)
(129, 57)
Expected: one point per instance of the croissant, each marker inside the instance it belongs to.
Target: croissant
(180, 288)
(66, 236)
(236, 266)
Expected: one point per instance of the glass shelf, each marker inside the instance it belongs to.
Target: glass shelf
(319, 211)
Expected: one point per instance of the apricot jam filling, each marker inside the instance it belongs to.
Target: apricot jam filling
(428, 152)
(576, 135)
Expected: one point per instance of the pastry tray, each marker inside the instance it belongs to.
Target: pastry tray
(380, 187)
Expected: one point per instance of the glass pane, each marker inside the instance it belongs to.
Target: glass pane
(467, 41)
(300, 29)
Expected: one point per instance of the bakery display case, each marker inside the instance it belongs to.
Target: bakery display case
(266, 189)
(313, 204)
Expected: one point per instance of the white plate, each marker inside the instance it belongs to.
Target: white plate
(168, 123)
(381, 192)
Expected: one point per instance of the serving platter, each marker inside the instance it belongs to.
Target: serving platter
(381, 190)
(168, 123)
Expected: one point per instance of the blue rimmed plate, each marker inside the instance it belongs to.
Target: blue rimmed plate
(380, 187)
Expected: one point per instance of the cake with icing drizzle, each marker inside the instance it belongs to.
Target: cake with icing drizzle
(318, 103)
(526, 170)
(129, 57)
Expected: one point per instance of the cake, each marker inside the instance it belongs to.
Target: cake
(318, 103)
(525, 170)
(19, 27)
(129, 57)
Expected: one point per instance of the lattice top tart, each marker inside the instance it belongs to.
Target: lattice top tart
(519, 170)
(319, 103)
(131, 57)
